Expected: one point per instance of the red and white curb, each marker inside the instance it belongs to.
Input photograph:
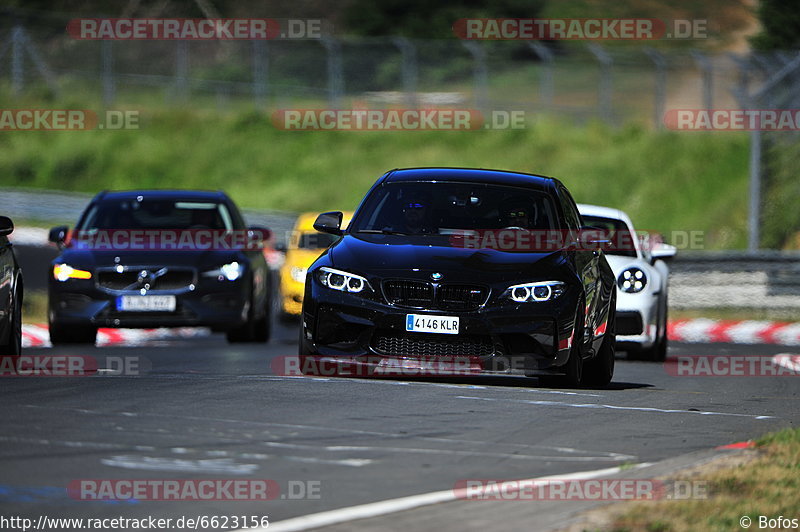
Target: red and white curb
(38, 335)
(737, 332)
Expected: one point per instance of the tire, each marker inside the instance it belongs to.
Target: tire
(12, 348)
(599, 371)
(72, 334)
(255, 329)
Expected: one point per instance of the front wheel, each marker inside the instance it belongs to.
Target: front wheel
(255, 329)
(600, 370)
(12, 348)
(72, 334)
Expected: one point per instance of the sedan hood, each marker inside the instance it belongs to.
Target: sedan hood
(83, 258)
(418, 256)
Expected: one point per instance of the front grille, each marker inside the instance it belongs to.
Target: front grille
(421, 294)
(422, 345)
(461, 296)
(628, 323)
(415, 294)
(172, 279)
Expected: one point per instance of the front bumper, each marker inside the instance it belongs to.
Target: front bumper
(221, 305)
(637, 320)
(498, 337)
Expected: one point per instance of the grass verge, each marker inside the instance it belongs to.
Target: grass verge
(767, 486)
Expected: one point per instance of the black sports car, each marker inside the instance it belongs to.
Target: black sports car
(10, 295)
(160, 258)
(434, 267)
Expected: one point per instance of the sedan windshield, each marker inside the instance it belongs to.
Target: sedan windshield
(156, 214)
(419, 208)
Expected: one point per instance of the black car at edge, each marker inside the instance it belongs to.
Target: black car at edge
(191, 272)
(400, 286)
(10, 295)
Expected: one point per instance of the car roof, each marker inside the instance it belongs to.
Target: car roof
(206, 195)
(305, 222)
(477, 175)
(604, 212)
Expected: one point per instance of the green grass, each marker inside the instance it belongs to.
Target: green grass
(768, 486)
(667, 181)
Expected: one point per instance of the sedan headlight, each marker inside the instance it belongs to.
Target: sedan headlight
(342, 281)
(298, 274)
(632, 280)
(538, 291)
(231, 271)
(63, 272)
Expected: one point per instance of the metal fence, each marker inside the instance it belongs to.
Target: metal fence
(577, 80)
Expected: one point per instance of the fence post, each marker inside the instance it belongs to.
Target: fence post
(480, 74)
(17, 67)
(546, 85)
(335, 74)
(705, 65)
(106, 51)
(260, 73)
(661, 85)
(604, 96)
(409, 69)
(754, 210)
(182, 69)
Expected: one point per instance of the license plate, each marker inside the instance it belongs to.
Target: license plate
(146, 303)
(432, 324)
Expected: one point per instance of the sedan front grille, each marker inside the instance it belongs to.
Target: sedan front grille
(422, 345)
(132, 279)
(421, 294)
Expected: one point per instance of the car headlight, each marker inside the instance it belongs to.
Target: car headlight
(231, 271)
(63, 272)
(632, 280)
(538, 291)
(298, 274)
(342, 281)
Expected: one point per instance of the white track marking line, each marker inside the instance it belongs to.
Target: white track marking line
(615, 407)
(390, 506)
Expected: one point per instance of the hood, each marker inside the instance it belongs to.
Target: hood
(83, 258)
(419, 256)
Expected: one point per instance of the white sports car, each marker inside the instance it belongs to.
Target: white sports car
(642, 283)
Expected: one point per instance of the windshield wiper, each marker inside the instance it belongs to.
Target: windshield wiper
(382, 232)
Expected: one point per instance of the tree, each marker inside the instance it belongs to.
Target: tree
(780, 25)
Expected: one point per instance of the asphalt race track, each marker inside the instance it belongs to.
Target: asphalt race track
(203, 409)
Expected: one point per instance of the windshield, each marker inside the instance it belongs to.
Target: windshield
(447, 208)
(316, 240)
(621, 240)
(156, 214)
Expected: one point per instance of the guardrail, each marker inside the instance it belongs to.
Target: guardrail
(764, 280)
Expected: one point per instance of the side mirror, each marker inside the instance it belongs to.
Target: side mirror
(6, 226)
(663, 252)
(329, 222)
(593, 237)
(257, 233)
(58, 235)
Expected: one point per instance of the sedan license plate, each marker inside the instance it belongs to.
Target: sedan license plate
(146, 303)
(432, 324)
